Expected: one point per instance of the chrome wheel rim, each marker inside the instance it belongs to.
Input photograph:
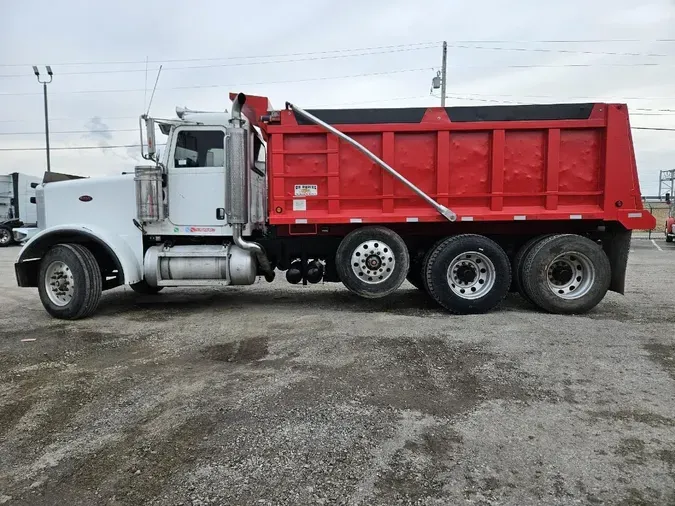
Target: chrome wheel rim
(373, 262)
(471, 275)
(5, 236)
(59, 283)
(570, 275)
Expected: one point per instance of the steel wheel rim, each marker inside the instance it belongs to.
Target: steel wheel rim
(570, 275)
(5, 236)
(471, 275)
(373, 262)
(59, 283)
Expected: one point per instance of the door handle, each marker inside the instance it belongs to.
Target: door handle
(220, 213)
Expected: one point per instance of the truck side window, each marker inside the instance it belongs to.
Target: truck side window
(199, 148)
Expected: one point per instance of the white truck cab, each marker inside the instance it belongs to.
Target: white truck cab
(177, 221)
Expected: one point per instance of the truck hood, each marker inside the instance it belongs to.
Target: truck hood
(89, 200)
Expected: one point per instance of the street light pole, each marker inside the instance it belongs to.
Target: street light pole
(44, 88)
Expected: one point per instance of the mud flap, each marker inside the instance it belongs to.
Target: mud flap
(616, 244)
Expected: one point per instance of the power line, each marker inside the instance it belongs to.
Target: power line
(241, 64)
(77, 148)
(124, 146)
(560, 41)
(74, 131)
(512, 66)
(324, 78)
(547, 50)
(341, 55)
(555, 97)
(71, 119)
(282, 55)
(277, 55)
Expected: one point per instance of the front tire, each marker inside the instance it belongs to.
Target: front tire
(70, 282)
(566, 274)
(468, 274)
(372, 262)
(6, 237)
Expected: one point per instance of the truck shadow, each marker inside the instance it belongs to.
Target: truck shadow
(405, 302)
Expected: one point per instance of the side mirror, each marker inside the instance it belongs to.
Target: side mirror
(668, 198)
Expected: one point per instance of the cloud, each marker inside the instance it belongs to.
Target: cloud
(98, 130)
(71, 31)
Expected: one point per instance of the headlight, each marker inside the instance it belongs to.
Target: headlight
(19, 236)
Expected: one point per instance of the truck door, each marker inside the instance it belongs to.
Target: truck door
(196, 180)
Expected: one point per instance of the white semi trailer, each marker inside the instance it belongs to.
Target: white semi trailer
(16, 208)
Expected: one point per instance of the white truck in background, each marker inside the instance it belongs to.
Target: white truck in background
(17, 210)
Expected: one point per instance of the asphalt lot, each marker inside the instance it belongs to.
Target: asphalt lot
(279, 394)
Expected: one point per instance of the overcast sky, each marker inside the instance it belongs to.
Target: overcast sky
(518, 68)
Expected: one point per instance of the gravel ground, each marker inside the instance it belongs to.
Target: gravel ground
(279, 394)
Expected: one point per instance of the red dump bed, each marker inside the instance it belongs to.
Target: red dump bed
(503, 163)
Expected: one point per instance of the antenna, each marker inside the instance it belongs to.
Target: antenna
(145, 96)
(153, 90)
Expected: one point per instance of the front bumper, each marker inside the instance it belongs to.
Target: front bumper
(23, 234)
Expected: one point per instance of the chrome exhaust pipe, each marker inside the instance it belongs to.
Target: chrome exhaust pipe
(237, 104)
(255, 248)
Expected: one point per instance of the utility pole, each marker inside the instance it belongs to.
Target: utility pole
(444, 72)
(44, 88)
(439, 80)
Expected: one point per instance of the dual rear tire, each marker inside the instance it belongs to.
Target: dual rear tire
(464, 274)
(563, 274)
(470, 274)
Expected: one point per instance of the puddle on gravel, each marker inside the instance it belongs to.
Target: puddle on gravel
(244, 351)
(663, 355)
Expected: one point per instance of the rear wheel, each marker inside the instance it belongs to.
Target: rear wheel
(468, 274)
(518, 262)
(6, 238)
(566, 274)
(372, 262)
(70, 282)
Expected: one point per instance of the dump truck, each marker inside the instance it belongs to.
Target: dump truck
(16, 208)
(466, 203)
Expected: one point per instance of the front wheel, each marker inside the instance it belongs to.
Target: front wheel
(6, 238)
(566, 274)
(70, 282)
